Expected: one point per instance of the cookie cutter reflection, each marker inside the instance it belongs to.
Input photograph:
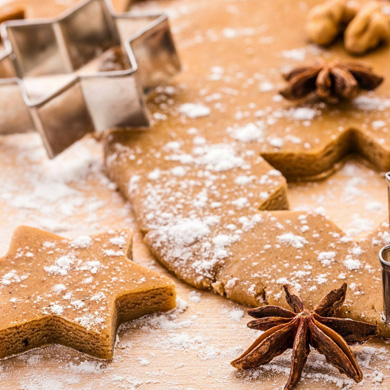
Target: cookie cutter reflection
(384, 257)
(50, 80)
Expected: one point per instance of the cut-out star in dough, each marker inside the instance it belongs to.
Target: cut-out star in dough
(75, 293)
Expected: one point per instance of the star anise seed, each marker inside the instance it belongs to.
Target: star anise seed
(330, 81)
(300, 328)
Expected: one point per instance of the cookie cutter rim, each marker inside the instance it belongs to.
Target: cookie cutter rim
(153, 22)
(384, 258)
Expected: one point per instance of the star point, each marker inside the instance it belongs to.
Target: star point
(74, 292)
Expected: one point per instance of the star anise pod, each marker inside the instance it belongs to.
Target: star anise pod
(330, 81)
(300, 328)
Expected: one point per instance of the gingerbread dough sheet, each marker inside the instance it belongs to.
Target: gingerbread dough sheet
(198, 184)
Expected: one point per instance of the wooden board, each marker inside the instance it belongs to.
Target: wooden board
(191, 347)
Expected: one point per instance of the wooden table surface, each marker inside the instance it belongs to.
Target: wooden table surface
(190, 347)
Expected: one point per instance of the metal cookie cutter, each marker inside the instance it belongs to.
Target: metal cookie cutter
(384, 257)
(51, 80)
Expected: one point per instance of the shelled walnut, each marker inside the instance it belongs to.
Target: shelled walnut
(368, 29)
(326, 21)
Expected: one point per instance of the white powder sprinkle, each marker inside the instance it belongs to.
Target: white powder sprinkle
(199, 141)
(236, 314)
(178, 171)
(303, 113)
(91, 266)
(220, 157)
(371, 103)
(240, 203)
(274, 172)
(231, 283)
(10, 277)
(249, 223)
(86, 367)
(143, 361)
(78, 304)
(185, 341)
(194, 296)
(378, 124)
(173, 145)
(283, 280)
(111, 252)
(321, 279)
(352, 264)
(119, 240)
(292, 239)
(356, 251)
(326, 258)
(248, 133)
(89, 320)
(276, 142)
(186, 232)
(243, 180)
(59, 288)
(374, 207)
(81, 242)
(155, 174)
(98, 297)
(266, 86)
(295, 54)
(237, 32)
(264, 195)
(61, 266)
(193, 110)
(56, 309)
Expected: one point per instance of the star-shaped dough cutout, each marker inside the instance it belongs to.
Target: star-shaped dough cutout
(75, 293)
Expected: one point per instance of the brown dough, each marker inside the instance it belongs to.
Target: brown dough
(197, 181)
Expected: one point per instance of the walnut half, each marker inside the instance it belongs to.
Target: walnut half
(369, 28)
(326, 21)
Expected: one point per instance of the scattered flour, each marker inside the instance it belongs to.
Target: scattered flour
(81, 242)
(292, 239)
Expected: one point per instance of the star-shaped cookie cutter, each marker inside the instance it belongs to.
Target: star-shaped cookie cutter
(50, 80)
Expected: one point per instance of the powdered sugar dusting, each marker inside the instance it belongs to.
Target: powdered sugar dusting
(193, 110)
